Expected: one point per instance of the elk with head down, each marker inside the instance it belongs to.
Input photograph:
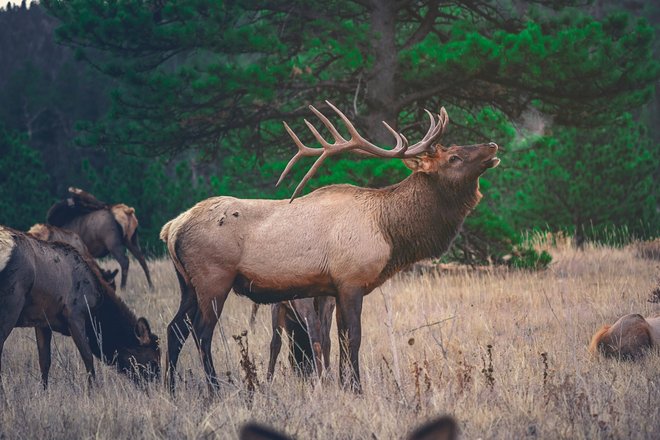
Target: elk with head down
(105, 229)
(629, 338)
(51, 287)
(340, 240)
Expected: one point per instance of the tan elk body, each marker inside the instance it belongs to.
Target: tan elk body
(340, 240)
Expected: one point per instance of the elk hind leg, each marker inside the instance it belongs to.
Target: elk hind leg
(117, 251)
(212, 293)
(179, 329)
(134, 247)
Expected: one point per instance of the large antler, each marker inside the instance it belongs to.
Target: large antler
(357, 143)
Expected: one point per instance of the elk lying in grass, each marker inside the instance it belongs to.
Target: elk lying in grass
(307, 323)
(53, 233)
(340, 240)
(629, 338)
(105, 229)
(51, 287)
(442, 428)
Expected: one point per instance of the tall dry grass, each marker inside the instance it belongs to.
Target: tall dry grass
(505, 352)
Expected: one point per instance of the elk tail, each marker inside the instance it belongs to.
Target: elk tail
(125, 216)
(168, 234)
(597, 338)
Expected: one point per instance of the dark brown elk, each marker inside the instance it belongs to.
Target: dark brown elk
(340, 240)
(306, 322)
(51, 287)
(53, 233)
(442, 428)
(629, 338)
(105, 229)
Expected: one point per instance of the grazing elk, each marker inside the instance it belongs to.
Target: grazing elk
(442, 428)
(53, 233)
(105, 229)
(307, 322)
(629, 338)
(51, 287)
(340, 240)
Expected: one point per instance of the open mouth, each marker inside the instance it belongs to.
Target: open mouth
(492, 162)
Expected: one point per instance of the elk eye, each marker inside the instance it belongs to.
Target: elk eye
(454, 159)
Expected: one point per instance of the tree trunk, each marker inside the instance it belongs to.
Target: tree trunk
(380, 84)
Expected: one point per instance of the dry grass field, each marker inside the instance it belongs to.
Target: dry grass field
(505, 352)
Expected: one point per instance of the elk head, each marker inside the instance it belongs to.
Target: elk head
(141, 361)
(456, 164)
(453, 164)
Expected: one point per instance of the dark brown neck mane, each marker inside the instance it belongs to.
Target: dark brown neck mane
(421, 216)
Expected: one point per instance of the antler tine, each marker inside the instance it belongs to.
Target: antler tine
(331, 128)
(351, 129)
(432, 127)
(310, 173)
(401, 141)
(303, 150)
(444, 117)
(361, 145)
(288, 167)
(436, 129)
(317, 135)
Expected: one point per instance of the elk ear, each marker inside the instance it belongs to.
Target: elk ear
(444, 428)
(425, 164)
(143, 331)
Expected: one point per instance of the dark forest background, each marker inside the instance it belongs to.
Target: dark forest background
(159, 104)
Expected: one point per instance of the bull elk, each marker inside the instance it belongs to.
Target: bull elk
(105, 229)
(629, 338)
(51, 287)
(340, 240)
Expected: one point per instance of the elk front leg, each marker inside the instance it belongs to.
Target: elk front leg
(77, 330)
(326, 306)
(44, 336)
(349, 312)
